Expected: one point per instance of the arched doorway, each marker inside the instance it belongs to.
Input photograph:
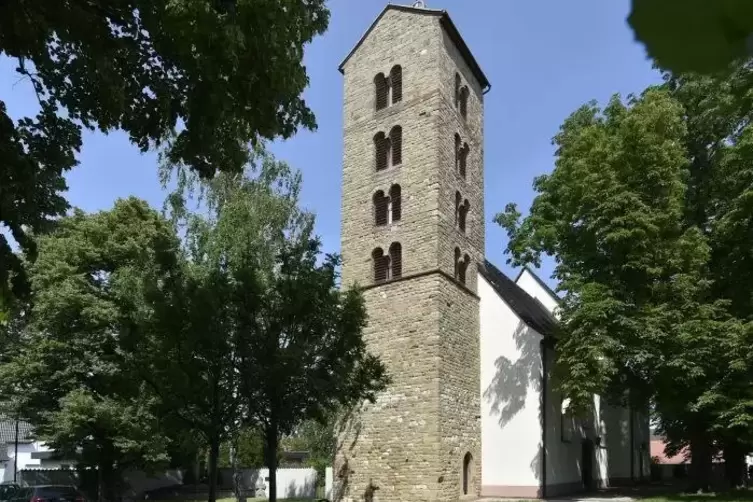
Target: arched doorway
(586, 463)
(467, 473)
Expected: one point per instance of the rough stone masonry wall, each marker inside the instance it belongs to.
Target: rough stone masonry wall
(410, 443)
(460, 405)
(393, 444)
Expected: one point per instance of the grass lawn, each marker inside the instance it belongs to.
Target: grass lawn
(734, 496)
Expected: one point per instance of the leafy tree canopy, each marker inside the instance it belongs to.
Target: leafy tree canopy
(68, 374)
(297, 337)
(647, 213)
(201, 78)
(694, 35)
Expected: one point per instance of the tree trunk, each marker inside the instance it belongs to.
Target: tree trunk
(237, 474)
(700, 464)
(105, 487)
(271, 440)
(734, 464)
(214, 454)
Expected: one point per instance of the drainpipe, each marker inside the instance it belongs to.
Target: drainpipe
(544, 405)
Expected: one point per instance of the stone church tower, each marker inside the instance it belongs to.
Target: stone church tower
(412, 236)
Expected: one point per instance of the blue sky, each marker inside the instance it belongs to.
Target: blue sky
(544, 58)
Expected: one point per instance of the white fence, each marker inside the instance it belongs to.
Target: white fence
(291, 482)
(329, 481)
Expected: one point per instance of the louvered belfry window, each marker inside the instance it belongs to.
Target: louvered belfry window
(396, 84)
(457, 89)
(381, 151)
(463, 105)
(380, 208)
(458, 148)
(457, 263)
(382, 90)
(463, 215)
(381, 265)
(396, 142)
(463, 268)
(463, 160)
(458, 202)
(396, 210)
(396, 258)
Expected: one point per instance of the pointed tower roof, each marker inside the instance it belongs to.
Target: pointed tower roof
(447, 24)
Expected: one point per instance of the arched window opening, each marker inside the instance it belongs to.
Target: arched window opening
(380, 208)
(463, 214)
(396, 258)
(396, 83)
(463, 268)
(396, 142)
(381, 265)
(467, 473)
(457, 264)
(381, 87)
(458, 201)
(395, 203)
(458, 147)
(464, 102)
(458, 82)
(463, 160)
(381, 151)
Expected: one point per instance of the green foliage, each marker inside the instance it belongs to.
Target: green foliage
(250, 450)
(204, 78)
(297, 337)
(693, 35)
(611, 212)
(647, 212)
(69, 374)
(319, 439)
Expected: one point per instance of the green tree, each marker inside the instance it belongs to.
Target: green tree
(199, 78)
(69, 375)
(297, 337)
(186, 354)
(319, 439)
(694, 35)
(627, 214)
(250, 450)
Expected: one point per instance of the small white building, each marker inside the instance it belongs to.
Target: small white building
(19, 451)
(530, 448)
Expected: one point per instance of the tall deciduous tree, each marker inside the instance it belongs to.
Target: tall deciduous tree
(297, 337)
(69, 376)
(201, 78)
(186, 354)
(628, 212)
